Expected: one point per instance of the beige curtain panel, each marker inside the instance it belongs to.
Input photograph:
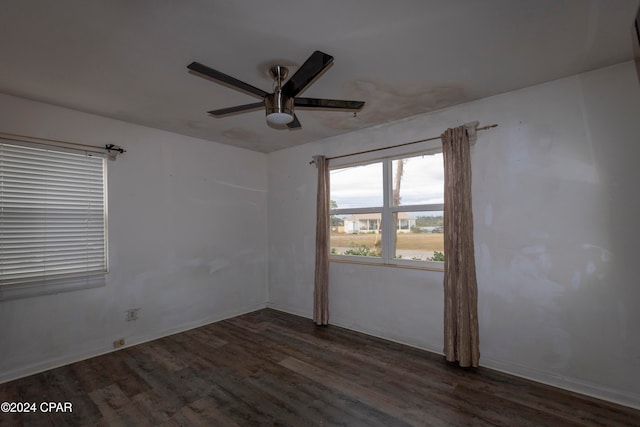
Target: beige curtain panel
(321, 280)
(461, 341)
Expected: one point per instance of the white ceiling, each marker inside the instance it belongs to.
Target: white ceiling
(126, 59)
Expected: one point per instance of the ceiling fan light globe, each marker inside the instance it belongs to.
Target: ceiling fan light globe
(279, 118)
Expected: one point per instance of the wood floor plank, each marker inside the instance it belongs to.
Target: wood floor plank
(269, 368)
(386, 403)
(204, 412)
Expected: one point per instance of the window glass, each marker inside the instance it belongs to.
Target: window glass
(357, 235)
(420, 180)
(357, 186)
(419, 236)
(404, 228)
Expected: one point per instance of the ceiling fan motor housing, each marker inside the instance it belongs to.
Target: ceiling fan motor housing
(279, 105)
(277, 102)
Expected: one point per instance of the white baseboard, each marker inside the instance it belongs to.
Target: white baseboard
(67, 359)
(289, 310)
(565, 383)
(570, 384)
(597, 391)
(380, 334)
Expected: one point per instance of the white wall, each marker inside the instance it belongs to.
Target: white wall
(187, 236)
(555, 204)
(556, 211)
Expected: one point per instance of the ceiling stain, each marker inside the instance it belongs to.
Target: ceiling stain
(241, 134)
(386, 103)
(195, 124)
(405, 67)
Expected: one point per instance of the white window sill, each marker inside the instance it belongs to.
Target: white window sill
(431, 266)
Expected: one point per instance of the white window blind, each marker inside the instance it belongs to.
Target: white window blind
(52, 215)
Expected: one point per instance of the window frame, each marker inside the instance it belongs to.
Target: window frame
(43, 284)
(387, 210)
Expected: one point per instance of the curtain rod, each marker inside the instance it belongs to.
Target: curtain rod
(398, 145)
(56, 143)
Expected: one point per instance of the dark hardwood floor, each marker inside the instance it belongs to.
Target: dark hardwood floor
(269, 368)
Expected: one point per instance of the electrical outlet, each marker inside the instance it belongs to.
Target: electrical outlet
(132, 314)
(118, 343)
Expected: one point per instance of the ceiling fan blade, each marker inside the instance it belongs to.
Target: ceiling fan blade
(295, 123)
(328, 103)
(312, 68)
(238, 109)
(226, 80)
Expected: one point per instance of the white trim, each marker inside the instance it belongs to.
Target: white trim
(585, 388)
(435, 207)
(289, 310)
(388, 231)
(132, 340)
(408, 264)
(561, 382)
(352, 211)
(376, 260)
(631, 400)
(386, 211)
(48, 144)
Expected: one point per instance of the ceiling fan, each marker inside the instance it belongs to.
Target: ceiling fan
(279, 105)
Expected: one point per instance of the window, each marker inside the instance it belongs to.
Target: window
(389, 211)
(52, 216)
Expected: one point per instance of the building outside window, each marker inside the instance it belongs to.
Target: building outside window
(389, 211)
